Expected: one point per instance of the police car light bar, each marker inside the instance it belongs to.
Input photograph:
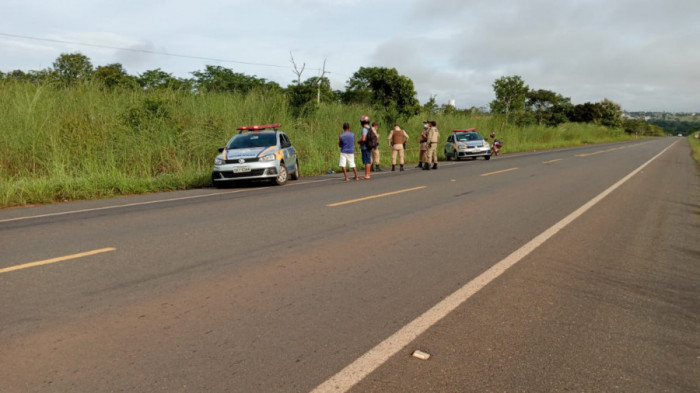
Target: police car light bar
(259, 128)
(464, 130)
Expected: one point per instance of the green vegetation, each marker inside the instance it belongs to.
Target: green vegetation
(695, 146)
(79, 132)
(82, 141)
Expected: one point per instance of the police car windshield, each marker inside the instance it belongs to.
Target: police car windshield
(252, 139)
(469, 136)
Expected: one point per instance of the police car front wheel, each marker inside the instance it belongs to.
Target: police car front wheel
(281, 178)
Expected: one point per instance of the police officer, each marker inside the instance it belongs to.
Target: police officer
(433, 139)
(375, 152)
(397, 141)
(423, 143)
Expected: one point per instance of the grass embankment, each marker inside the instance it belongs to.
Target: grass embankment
(61, 144)
(695, 146)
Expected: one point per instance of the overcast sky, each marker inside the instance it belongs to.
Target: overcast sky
(642, 54)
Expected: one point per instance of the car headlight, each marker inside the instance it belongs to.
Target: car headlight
(269, 157)
(218, 160)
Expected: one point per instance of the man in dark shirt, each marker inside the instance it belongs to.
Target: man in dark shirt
(346, 142)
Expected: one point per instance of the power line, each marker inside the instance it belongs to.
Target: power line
(148, 51)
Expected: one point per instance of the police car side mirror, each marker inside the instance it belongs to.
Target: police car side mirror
(221, 149)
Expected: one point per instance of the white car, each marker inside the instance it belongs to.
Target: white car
(464, 143)
(257, 152)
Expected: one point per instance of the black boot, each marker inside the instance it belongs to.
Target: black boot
(426, 167)
(393, 168)
(420, 164)
(435, 166)
(379, 169)
(401, 168)
(371, 168)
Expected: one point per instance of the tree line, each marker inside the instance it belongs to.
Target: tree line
(391, 94)
(524, 106)
(380, 87)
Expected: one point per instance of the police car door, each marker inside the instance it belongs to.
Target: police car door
(290, 156)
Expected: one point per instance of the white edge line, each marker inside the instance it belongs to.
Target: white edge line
(375, 357)
(117, 206)
(143, 203)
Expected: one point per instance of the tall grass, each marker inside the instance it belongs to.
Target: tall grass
(85, 142)
(695, 146)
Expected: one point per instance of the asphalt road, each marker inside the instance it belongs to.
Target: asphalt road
(568, 270)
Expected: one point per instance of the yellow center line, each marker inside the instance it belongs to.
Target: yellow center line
(551, 161)
(375, 196)
(493, 173)
(601, 151)
(54, 260)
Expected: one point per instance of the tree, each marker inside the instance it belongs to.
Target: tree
(611, 113)
(42, 76)
(72, 67)
(158, 79)
(606, 113)
(322, 89)
(113, 75)
(298, 72)
(220, 79)
(431, 107)
(16, 75)
(384, 88)
(303, 98)
(510, 96)
(586, 113)
(642, 128)
(547, 107)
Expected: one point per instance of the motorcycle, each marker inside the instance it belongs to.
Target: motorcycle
(496, 145)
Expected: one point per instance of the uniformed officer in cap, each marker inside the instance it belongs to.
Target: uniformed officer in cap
(433, 140)
(397, 141)
(423, 143)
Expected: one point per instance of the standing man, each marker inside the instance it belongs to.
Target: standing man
(366, 153)
(346, 142)
(397, 140)
(433, 139)
(375, 151)
(423, 144)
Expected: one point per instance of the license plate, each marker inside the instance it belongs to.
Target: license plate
(241, 169)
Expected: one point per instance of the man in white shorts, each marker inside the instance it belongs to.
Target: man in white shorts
(346, 142)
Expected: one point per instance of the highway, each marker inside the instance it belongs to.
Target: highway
(573, 269)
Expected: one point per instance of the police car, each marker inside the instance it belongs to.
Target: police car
(467, 143)
(256, 152)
